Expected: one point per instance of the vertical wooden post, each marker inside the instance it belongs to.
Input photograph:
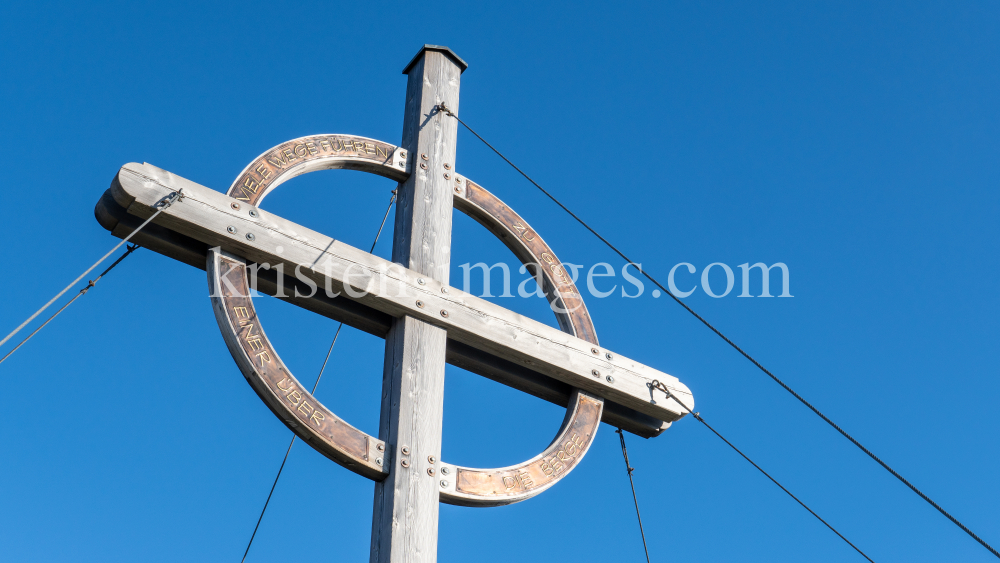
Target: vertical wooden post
(405, 518)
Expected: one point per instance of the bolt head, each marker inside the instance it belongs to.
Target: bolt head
(421, 281)
(445, 471)
(378, 461)
(250, 236)
(447, 166)
(444, 290)
(431, 458)
(253, 213)
(430, 471)
(405, 463)
(424, 156)
(444, 313)
(610, 379)
(595, 350)
(420, 304)
(231, 229)
(609, 356)
(444, 483)
(379, 447)
(595, 373)
(405, 450)
(402, 154)
(235, 206)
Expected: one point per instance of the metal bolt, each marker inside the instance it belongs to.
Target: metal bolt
(253, 213)
(444, 313)
(231, 229)
(250, 236)
(235, 206)
(378, 461)
(379, 447)
(421, 281)
(405, 450)
(609, 356)
(447, 176)
(458, 190)
(610, 379)
(444, 483)
(402, 164)
(424, 156)
(405, 463)
(595, 350)
(430, 471)
(402, 154)
(420, 304)
(445, 471)
(423, 165)
(595, 373)
(431, 458)
(458, 180)
(447, 166)
(444, 290)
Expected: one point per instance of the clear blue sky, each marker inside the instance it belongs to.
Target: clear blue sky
(855, 143)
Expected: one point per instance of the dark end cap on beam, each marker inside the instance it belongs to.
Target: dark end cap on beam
(462, 65)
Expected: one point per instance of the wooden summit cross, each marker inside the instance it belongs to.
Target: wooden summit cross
(409, 302)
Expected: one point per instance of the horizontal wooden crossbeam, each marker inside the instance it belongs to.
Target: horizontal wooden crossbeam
(483, 336)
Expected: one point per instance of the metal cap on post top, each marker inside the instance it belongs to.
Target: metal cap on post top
(462, 65)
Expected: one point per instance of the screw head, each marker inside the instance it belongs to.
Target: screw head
(253, 213)
(379, 447)
(424, 156)
(444, 289)
(420, 304)
(458, 190)
(610, 379)
(421, 281)
(595, 350)
(405, 450)
(402, 164)
(447, 166)
(423, 165)
(444, 483)
(231, 229)
(430, 471)
(444, 313)
(250, 236)
(595, 373)
(378, 461)
(405, 463)
(447, 176)
(431, 458)
(609, 356)
(402, 154)
(235, 206)
(445, 471)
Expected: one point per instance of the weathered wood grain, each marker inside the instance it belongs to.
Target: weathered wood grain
(405, 518)
(180, 247)
(204, 214)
